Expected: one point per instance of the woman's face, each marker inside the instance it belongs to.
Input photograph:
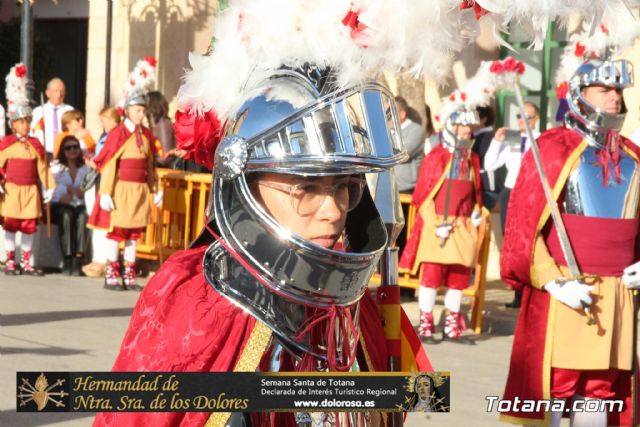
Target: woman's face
(72, 150)
(315, 208)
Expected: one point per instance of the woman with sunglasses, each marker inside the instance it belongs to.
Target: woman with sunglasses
(68, 206)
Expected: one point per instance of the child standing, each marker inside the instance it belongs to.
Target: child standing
(26, 175)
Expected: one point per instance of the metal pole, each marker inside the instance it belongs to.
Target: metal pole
(387, 201)
(26, 40)
(107, 61)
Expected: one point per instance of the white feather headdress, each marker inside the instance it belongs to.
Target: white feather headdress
(480, 89)
(617, 32)
(356, 39)
(142, 79)
(16, 89)
(533, 16)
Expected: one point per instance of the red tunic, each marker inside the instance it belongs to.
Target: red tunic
(431, 173)
(181, 324)
(528, 378)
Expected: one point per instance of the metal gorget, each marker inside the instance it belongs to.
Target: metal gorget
(585, 194)
(304, 419)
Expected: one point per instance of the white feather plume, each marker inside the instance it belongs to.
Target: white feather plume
(480, 89)
(533, 16)
(16, 88)
(616, 33)
(255, 37)
(142, 79)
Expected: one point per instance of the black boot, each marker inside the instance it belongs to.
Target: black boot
(76, 266)
(517, 298)
(66, 265)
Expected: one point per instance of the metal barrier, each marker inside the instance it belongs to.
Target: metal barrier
(182, 215)
(180, 218)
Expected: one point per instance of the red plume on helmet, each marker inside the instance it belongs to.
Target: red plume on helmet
(198, 135)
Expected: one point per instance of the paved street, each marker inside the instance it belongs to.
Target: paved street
(72, 324)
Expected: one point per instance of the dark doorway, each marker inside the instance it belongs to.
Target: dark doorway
(62, 52)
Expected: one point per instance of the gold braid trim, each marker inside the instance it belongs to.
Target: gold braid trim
(248, 362)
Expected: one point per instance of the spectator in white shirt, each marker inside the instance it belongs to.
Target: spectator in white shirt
(502, 152)
(53, 111)
(68, 204)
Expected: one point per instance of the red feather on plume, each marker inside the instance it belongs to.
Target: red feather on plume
(21, 70)
(198, 136)
(477, 9)
(151, 60)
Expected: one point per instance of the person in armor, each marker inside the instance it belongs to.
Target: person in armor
(278, 280)
(127, 179)
(27, 183)
(442, 245)
(593, 174)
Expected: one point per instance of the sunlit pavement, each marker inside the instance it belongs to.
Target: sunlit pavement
(58, 323)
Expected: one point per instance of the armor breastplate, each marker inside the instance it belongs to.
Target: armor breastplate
(585, 194)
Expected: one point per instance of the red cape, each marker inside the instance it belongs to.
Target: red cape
(431, 170)
(10, 139)
(526, 206)
(182, 324)
(116, 139)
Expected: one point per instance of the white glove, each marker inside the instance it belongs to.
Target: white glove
(631, 276)
(106, 203)
(47, 195)
(572, 293)
(476, 219)
(157, 198)
(443, 231)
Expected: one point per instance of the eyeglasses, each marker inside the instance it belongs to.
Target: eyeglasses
(71, 147)
(519, 116)
(306, 198)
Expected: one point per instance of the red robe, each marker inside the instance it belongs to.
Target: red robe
(558, 149)
(181, 324)
(431, 173)
(10, 139)
(116, 138)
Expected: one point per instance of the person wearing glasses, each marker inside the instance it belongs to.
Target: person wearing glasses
(510, 151)
(68, 206)
(278, 279)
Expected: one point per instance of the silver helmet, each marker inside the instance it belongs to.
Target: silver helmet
(461, 117)
(21, 112)
(589, 120)
(298, 122)
(136, 97)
